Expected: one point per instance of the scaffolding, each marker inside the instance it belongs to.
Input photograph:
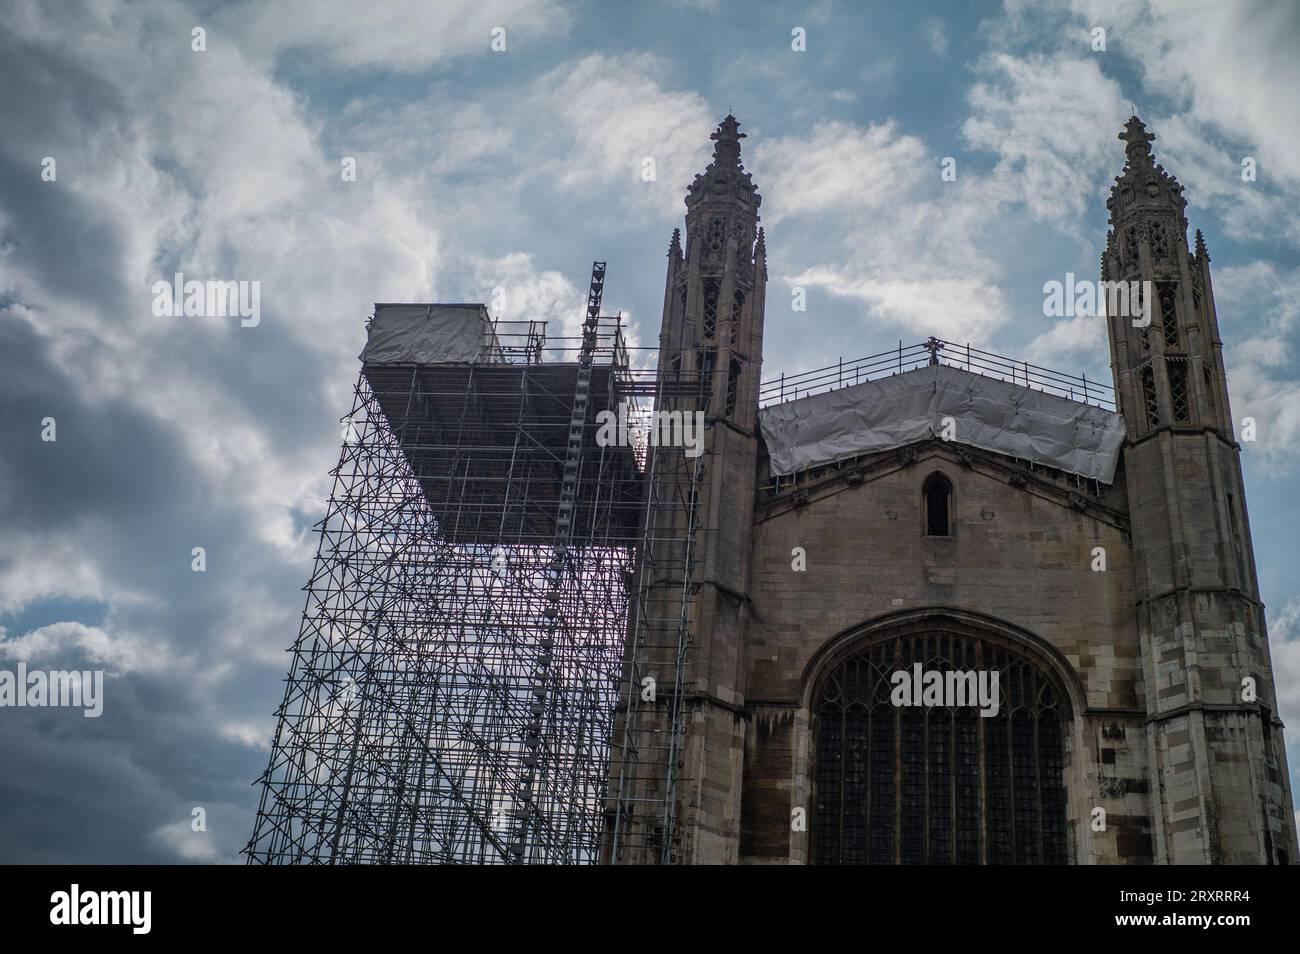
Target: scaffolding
(496, 573)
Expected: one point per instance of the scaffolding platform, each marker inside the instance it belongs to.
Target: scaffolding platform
(489, 443)
(480, 580)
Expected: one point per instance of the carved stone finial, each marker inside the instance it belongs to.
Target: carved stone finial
(1202, 253)
(1136, 138)
(727, 136)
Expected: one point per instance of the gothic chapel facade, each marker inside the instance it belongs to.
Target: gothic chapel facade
(1122, 690)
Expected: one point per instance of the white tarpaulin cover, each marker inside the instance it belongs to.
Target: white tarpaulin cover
(899, 410)
(428, 334)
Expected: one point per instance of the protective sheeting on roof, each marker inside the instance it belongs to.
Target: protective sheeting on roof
(899, 410)
(429, 334)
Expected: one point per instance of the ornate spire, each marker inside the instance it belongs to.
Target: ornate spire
(1202, 253)
(725, 178)
(1144, 187)
(675, 246)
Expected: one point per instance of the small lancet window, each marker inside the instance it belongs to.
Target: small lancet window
(937, 493)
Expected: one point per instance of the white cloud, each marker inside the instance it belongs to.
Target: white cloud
(397, 35)
(65, 644)
(954, 308)
(1220, 66)
(527, 294)
(1284, 646)
(187, 845)
(614, 112)
(1052, 123)
(840, 167)
(252, 733)
(886, 230)
(1263, 302)
(1226, 62)
(1066, 340)
(936, 35)
(42, 566)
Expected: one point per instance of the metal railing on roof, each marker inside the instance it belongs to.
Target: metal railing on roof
(527, 342)
(842, 374)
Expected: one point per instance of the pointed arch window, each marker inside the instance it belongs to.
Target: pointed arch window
(936, 494)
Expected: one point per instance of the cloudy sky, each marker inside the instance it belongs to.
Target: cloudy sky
(480, 169)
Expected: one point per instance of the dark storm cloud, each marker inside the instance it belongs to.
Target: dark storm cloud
(67, 242)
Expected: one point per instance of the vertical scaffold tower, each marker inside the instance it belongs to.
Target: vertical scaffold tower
(470, 630)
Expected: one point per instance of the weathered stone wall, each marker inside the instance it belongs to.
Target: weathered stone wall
(1021, 552)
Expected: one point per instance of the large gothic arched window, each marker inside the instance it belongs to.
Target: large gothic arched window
(939, 783)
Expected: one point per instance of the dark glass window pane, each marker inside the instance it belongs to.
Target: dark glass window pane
(830, 770)
(1051, 766)
(1025, 781)
(882, 786)
(967, 770)
(904, 784)
(998, 779)
(856, 728)
(939, 786)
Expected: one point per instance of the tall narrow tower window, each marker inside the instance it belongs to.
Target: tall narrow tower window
(710, 307)
(708, 361)
(737, 306)
(733, 385)
(1169, 313)
(937, 492)
(1149, 396)
(1177, 368)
